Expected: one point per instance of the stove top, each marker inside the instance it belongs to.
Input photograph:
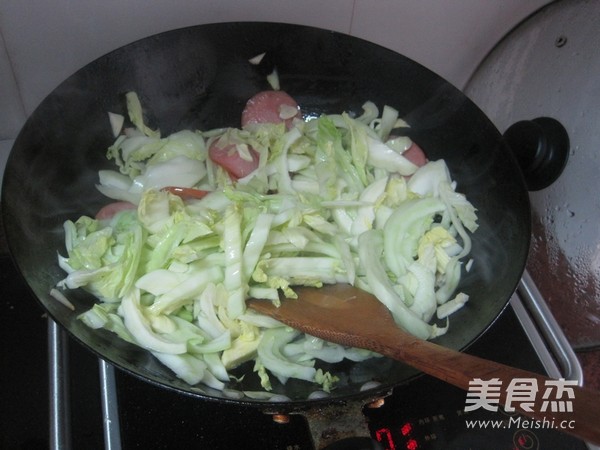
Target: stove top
(425, 414)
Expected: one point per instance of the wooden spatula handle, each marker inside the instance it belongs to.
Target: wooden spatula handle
(349, 316)
(580, 415)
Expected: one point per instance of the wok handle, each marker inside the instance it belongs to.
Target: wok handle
(341, 425)
(462, 369)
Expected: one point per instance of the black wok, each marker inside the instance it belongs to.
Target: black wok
(200, 77)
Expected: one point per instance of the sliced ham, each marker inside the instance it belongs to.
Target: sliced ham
(271, 107)
(186, 193)
(264, 107)
(229, 158)
(107, 212)
(415, 155)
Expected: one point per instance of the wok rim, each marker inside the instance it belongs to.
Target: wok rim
(293, 404)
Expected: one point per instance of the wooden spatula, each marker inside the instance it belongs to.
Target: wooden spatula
(346, 315)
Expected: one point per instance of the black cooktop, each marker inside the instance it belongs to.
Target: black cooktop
(426, 414)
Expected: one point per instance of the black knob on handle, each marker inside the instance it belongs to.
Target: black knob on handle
(541, 147)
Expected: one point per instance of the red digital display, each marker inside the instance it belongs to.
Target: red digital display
(406, 429)
(412, 444)
(385, 437)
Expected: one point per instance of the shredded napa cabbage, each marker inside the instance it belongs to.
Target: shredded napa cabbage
(333, 200)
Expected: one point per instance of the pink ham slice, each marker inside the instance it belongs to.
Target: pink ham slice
(270, 107)
(228, 158)
(264, 107)
(108, 211)
(415, 155)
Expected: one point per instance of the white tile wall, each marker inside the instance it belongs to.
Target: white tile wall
(48, 40)
(42, 42)
(5, 146)
(12, 113)
(449, 37)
